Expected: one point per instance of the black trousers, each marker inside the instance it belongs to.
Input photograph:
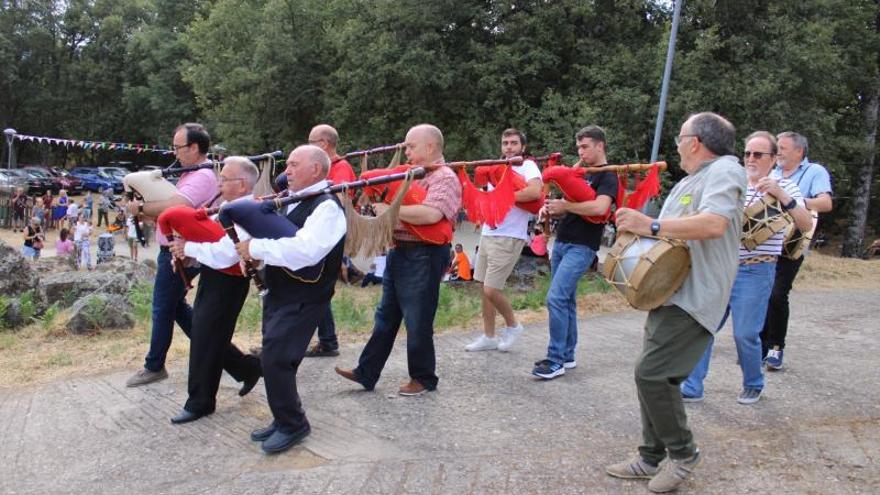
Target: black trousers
(776, 323)
(219, 299)
(288, 327)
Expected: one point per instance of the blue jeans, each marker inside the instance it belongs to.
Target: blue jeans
(748, 305)
(169, 306)
(568, 264)
(327, 330)
(410, 293)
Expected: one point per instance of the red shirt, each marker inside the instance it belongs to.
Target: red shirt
(341, 171)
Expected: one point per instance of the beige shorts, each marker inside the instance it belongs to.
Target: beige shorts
(496, 259)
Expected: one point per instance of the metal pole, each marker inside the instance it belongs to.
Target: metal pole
(667, 74)
(10, 138)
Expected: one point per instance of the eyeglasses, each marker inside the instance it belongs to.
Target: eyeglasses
(178, 146)
(757, 154)
(682, 136)
(224, 180)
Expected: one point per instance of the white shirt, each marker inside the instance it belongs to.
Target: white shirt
(81, 232)
(72, 209)
(220, 254)
(320, 233)
(131, 232)
(516, 223)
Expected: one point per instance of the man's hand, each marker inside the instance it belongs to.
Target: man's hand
(132, 207)
(634, 221)
(176, 247)
(769, 186)
(555, 208)
(243, 249)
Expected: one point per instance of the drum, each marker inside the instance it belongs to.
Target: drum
(796, 242)
(761, 219)
(150, 185)
(647, 270)
(106, 247)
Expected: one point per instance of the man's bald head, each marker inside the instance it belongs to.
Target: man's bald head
(325, 137)
(424, 145)
(306, 165)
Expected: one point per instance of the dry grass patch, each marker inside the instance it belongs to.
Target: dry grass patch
(821, 271)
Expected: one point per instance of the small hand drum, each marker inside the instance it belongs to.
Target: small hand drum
(796, 242)
(761, 219)
(647, 270)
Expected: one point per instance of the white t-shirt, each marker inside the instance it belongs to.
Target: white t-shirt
(81, 232)
(379, 261)
(72, 210)
(516, 223)
(131, 232)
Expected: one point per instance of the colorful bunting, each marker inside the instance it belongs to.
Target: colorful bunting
(97, 145)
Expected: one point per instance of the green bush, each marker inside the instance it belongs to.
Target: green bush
(141, 299)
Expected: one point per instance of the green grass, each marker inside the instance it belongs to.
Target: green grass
(141, 299)
(537, 297)
(251, 316)
(59, 359)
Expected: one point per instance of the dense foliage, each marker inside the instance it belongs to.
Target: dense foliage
(260, 73)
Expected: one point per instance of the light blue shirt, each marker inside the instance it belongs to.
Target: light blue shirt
(811, 178)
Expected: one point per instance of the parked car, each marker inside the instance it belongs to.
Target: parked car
(117, 172)
(72, 184)
(10, 182)
(94, 180)
(53, 184)
(36, 184)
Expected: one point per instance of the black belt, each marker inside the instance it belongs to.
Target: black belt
(412, 244)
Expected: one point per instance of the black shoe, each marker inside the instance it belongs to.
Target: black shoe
(263, 433)
(186, 417)
(322, 350)
(248, 385)
(279, 441)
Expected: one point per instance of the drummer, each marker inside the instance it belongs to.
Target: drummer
(705, 210)
(577, 242)
(757, 269)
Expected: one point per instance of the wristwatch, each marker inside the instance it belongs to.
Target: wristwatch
(655, 227)
(790, 205)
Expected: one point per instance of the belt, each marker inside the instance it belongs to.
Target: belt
(164, 248)
(754, 260)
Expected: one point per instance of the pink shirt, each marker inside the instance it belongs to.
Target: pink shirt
(63, 247)
(444, 194)
(197, 188)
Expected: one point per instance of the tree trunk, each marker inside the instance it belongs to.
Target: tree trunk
(854, 241)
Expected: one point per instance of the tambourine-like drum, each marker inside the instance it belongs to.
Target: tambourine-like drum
(796, 242)
(761, 219)
(647, 270)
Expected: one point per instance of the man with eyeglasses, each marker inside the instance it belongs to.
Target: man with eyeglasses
(815, 184)
(705, 210)
(190, 143)
(326, 137)
(757, 269)
(221, 293)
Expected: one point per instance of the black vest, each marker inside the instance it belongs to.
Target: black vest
(310, 284)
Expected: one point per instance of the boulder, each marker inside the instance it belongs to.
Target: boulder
(18, 277)
(525, 272)
(114, 277)
(96, 312)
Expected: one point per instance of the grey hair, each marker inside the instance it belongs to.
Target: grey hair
(327, 133)
(766, 135)
(317, 155)
(799, 140)
(246, 167)
(715, 132)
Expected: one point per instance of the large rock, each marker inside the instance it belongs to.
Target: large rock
(17, 278)
(527, 269)
(114, 277)
(96, 312)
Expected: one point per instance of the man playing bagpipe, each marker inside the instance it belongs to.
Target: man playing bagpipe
(221, 293)
(326, 138)
(194, 189)
(500, 249)
(414, 270)
(300, 276)
(577, 242)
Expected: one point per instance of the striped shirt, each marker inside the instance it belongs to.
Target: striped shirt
(773, 245)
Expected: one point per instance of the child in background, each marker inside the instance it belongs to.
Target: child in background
(64, 246)
(81, 240)
(88, 202)
(131, 237)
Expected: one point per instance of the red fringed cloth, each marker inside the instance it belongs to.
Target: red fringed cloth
(194, 226)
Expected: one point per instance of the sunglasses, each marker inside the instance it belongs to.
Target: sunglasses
(757, 154)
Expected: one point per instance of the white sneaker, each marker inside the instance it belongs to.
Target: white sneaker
(509, 337)
(570, 365)
(483, 343)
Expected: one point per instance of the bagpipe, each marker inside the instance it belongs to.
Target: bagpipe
(280, 183)
(153, 185)
(491, 207)
(191, 225)
(570, 182)
(260, 218)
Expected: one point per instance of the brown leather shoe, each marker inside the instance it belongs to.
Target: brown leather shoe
(348, 374)
(412, 388)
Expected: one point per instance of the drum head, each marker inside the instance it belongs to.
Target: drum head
(647, 270)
